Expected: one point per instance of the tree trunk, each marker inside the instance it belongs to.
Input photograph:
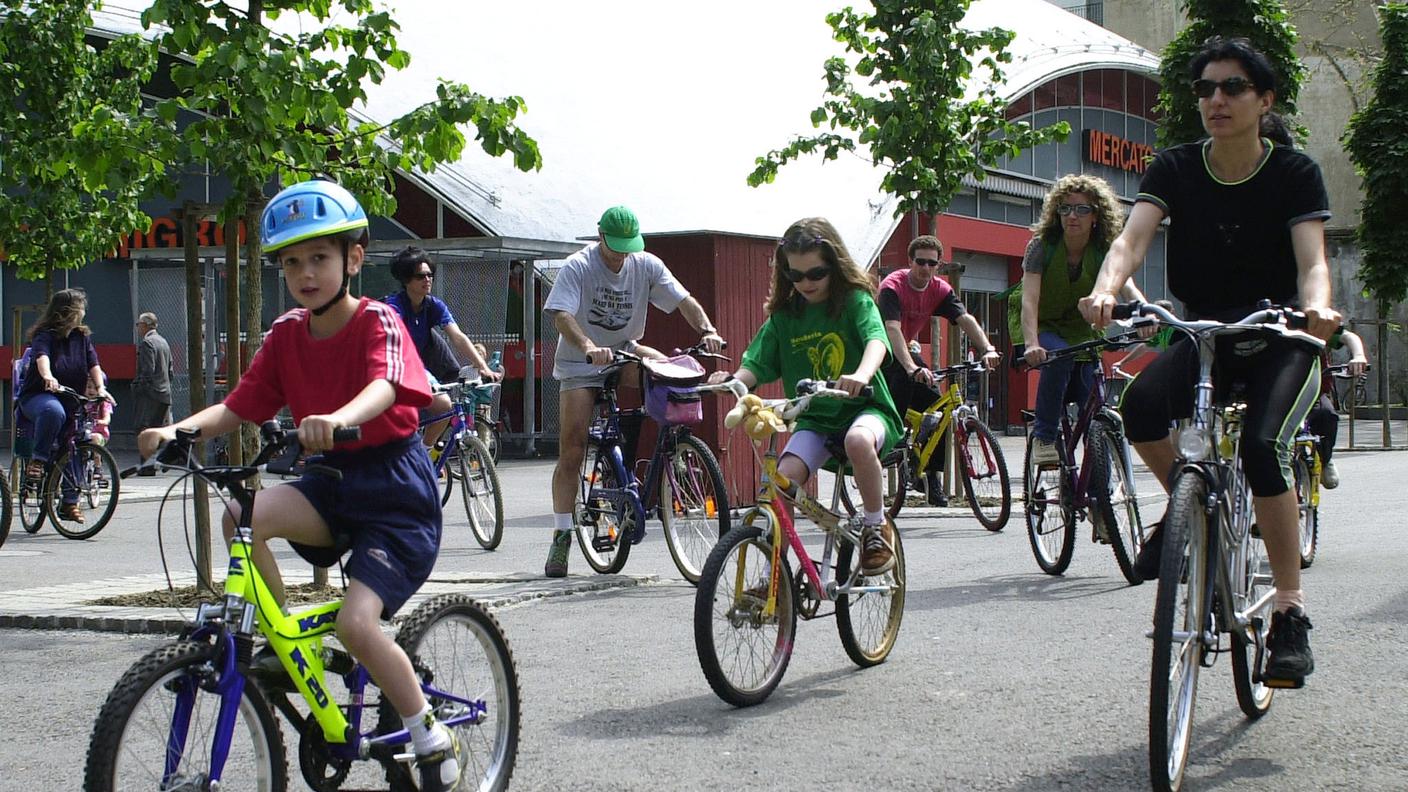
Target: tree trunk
(195, 365)
(232, 328)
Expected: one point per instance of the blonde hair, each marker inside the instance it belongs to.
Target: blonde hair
(1108, 214)
(803, 236)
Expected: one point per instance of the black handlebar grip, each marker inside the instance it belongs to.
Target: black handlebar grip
(1124, 311)
(347, 434)
(1297, 320)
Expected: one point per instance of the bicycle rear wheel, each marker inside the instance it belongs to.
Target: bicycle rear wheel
(1308, 505)
(479, 489)
(869, 621)
(462, 660)
(157, 729)
(29, 497)
(1113, 505)
(1051, 523)
(1181, 617)
(983, 470)
(93, 479)
(6, 510)
(693, 505)
(743, 650)
(603, 531)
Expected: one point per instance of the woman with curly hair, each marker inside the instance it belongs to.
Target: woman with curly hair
(1079, 220)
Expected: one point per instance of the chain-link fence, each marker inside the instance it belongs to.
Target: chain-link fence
(160, 288)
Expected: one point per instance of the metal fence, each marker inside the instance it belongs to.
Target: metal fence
(161, 289)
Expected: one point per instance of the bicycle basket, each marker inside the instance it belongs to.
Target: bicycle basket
(669, 399)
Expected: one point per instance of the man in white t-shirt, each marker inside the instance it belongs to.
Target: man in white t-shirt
(598, 304)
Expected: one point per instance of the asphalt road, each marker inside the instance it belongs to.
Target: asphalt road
(1003, 678)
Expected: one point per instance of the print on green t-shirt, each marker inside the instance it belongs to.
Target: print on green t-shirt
(810, 344)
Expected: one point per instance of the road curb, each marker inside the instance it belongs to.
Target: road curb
(167, 621)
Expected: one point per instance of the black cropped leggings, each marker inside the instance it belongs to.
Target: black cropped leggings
(1279, 380)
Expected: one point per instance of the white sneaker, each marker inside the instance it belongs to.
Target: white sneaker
(1044, 453)
(440, 769)
(1329, 477)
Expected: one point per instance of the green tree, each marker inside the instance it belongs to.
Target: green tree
(1263, 22)
(923, 116)
(75, 146)
(1379, 150)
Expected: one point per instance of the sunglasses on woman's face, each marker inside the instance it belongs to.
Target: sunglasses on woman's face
(1081, 210)
(1232, 86)
(813, 274)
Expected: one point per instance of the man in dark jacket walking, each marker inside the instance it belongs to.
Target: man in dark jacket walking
(151, 390)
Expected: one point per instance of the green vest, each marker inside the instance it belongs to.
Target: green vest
(1059, 312)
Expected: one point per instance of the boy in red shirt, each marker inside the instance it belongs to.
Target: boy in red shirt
(340, 361)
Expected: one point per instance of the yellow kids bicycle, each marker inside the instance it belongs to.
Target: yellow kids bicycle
(746, 608)
(981, 466)
(190, 715)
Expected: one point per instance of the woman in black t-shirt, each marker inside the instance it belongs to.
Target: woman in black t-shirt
(1246, 223)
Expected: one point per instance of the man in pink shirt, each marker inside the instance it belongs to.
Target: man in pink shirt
(908, 298)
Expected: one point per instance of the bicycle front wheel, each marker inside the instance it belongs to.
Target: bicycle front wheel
(158, 729)
(1308, 506)
(603, 531)
(1181, 617)
(89, 473)
(983, 470)
(6, 510)
(693, 505)
(1249, 580)
(1051, 523)
(466, 668)
(744, 647)
(479, 488)
(869, 609)
(1114, 508)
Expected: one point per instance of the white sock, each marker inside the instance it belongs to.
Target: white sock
(424, 736)
(1285, 600)
(873, 517)
(562, 522)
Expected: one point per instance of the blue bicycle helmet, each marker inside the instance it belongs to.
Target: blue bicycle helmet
(309, 210)
(306, 211)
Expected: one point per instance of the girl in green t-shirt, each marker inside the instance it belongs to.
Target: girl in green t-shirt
(823, 324)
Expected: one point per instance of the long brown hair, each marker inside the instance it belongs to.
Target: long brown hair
(803, 236)
(63, 314)
(1109, 217)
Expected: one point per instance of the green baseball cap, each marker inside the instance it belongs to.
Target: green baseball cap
(621, 230)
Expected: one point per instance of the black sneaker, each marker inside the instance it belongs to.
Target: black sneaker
(934, 492)
(1289, 646)
(1151, 556)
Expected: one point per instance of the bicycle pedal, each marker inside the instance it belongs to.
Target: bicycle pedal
(603, 544)
(1283, 684)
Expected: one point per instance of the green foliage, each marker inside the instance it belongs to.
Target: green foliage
(281, 107)
(1265, 23)
(916, 116)
(1379, 150)
(75, 145)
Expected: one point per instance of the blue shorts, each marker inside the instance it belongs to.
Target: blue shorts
(386, 510)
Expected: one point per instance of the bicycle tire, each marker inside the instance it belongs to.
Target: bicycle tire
(866, 644)
(1249, 579)
(479, 489)
(1182, 604)
(985, 466)
(98, 485)
(6, 509)
(29, 499)
(740, 616)
(129, 743)
(1307, 504)
(693, 505)
(1113, 504)
(437, 637)
(1051, 523)
(597, 516)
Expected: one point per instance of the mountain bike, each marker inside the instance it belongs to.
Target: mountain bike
(80, 471)
(981, 465)
(746, 608)
(460, 457)
(1214, 578)
(189, 715)
(1100, 486)
(683, 481)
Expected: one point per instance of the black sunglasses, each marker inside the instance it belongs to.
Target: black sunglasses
(1232, 86)
(813, 274)
(423, 276)
(926, 262)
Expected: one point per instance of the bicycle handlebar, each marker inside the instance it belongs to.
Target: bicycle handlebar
(279, 454)
(1283, 321)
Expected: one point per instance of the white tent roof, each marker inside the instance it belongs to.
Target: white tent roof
(664, 106)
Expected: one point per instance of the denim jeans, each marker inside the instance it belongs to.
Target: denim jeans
(1057, 387)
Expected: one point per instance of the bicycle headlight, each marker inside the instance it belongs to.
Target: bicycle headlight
(1192, 444)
